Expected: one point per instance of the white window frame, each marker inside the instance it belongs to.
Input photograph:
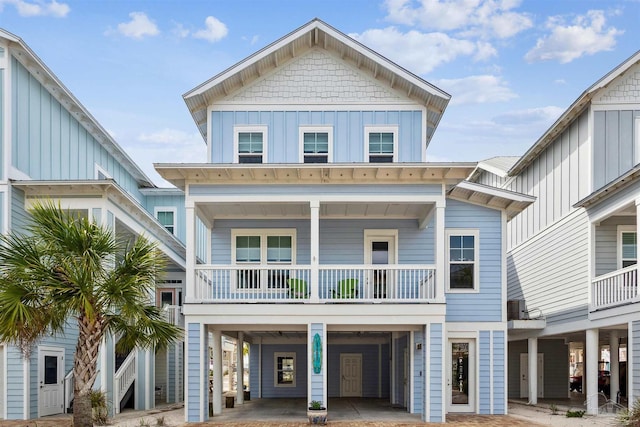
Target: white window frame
(315, 129)
(172, 209)
(263, 233)
(252, 128)
(292, 355)
(376, 129)
(623, 229)
(97, 170)
(476, 256)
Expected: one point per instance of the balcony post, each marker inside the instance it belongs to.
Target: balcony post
(190, 244)
(614, 368)
(590, 373)
(440, 252)
(240, 369)
(314, 206)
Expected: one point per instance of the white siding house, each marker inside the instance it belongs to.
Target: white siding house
(572, 261)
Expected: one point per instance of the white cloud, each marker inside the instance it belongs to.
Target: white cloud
(544, 115)
(138, 27)
(422, 52)
(179, 31)
(483, 18)
(476, 89)
(215, 30)
(38, 8)
(586, 35)
(560, 81)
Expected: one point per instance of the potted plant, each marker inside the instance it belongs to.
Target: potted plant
(317, 414)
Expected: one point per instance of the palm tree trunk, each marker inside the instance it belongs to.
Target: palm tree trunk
(85, 369)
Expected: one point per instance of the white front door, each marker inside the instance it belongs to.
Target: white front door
(350, 375)
(524, 375)
(50, 381)
(380, 249)
(461, 381)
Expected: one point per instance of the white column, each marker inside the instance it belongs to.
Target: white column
(314, 205)
(190, 253)
(150, 383)
(394, 336)
(614, 379)
(441, 268)
(533, 370)
(216, 346)
(630, 365)
(240, 370)
(590, 371)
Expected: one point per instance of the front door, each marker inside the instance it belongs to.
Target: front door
(350, 375)
(380, 249)
(51, 381)
(461, 375)
(524, 375)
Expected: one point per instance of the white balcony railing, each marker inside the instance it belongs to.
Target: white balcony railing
(173, 315)
(123, 379)
(336, 283)
(615, 288)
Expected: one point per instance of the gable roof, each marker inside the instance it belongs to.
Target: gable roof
(316, 33)
(571, 113)
(59, 91)
(499, 166)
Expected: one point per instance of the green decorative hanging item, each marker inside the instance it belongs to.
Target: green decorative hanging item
(317, 354)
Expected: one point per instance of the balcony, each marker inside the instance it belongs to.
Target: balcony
(616, 288)
(173, 314)
(334, 284)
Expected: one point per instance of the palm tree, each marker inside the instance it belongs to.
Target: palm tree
(67, 268)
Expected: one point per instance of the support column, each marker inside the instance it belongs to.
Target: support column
(614, 367)
(314, 206)
(533, 370)
(440, 252)
(630, 365)
(590, 371)
(240, 369)
(149, 380)
(190, 262)
(216, 398)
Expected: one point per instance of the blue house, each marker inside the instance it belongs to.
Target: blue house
(51, 147)
(318, 233)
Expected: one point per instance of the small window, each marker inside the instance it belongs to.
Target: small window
(284, 369)
(380, 144)
(316, 144)
(167, 217)
(250, 144)
(628, 246)
(462, 260)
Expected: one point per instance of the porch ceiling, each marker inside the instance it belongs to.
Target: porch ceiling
(256, 210)
(179, 174)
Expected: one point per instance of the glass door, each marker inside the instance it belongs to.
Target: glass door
(461, 375)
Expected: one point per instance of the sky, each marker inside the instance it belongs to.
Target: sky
(512, 67)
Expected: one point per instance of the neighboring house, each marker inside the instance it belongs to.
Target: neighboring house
(350, 265)
(51, 147)
(572, 264)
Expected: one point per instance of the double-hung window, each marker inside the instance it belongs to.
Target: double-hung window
(250, 144)
(462, 260)
(381, 144)
(316, 144)
(627, 246)
(263, 249)
(167, 217)
(284, 369)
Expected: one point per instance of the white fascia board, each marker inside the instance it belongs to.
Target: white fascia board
(494, 170)
(496, 192)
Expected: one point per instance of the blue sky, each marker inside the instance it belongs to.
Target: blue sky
(511, 66)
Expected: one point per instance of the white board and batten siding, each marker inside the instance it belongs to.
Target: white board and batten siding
(558, 178)
(552, 271)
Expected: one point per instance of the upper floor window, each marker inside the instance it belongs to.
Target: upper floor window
(250, 144)
(316, 144)
(627, 246)
(462, 259)
(167, 217)
(381, 144)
